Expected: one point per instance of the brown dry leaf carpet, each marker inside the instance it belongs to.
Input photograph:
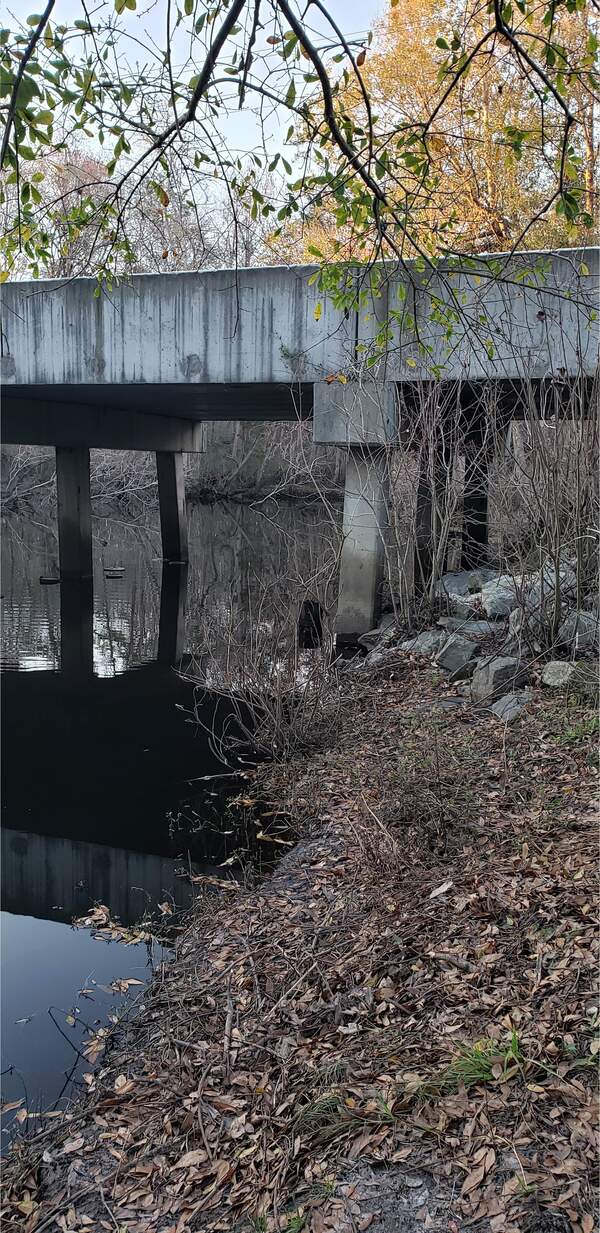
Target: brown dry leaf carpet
(411, 996)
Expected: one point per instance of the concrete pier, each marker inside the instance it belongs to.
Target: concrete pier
(475, 500)
(362, 557)
(171, 499)
(431, 548)
(74, 512)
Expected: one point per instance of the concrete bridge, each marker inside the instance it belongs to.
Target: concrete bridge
(142, 365)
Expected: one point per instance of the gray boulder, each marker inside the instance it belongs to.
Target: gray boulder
(522, 623)
(379, 656)
(462, 589)
(535, 595)
(499, 597)
(491, 678)
(464, 581)
(427, 643)
(558, 673)
(539, 588)
(462, 625)
(456, 656)
(510, 706)
(579, 630)
(531, 594)
(374, 636)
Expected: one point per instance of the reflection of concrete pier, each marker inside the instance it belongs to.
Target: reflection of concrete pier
(171, 631)
(113, 754)
(77, 621)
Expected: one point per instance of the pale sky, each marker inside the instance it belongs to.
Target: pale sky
(148, 25)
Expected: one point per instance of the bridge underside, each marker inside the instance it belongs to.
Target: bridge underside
(166, 417)
(364, 418)
(141, 417)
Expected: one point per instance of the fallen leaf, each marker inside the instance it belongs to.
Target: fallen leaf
(190, 1159)
(440, 890)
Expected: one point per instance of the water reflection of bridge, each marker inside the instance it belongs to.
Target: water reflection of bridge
(53, 878)
(104, 758)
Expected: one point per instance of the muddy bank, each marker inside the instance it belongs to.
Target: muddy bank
(397, 1030)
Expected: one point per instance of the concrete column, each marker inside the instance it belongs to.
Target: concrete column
(475, 491)
(171, 630)
(74, 512)
(364, 526)
(171, 498)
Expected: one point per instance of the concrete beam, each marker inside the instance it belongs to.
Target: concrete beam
(364, 527)
(171, 499)
(352, 414)
(74, 513)
(27, 421)
(183, 404)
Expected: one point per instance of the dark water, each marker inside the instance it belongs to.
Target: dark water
(106, 746)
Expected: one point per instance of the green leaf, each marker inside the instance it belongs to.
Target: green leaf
(188, 7)
(290, 97)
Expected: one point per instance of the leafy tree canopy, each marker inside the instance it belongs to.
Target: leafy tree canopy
(404, 146)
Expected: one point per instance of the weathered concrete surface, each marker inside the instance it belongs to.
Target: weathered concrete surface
(190, 331)
(361, 563)
(353, 414)
(250, 344)
(533, 320)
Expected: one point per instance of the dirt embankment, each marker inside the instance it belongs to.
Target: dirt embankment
(398, 1030)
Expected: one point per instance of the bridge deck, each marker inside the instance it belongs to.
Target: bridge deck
(249, 344)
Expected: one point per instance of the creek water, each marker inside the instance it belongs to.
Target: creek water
(105, 752)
